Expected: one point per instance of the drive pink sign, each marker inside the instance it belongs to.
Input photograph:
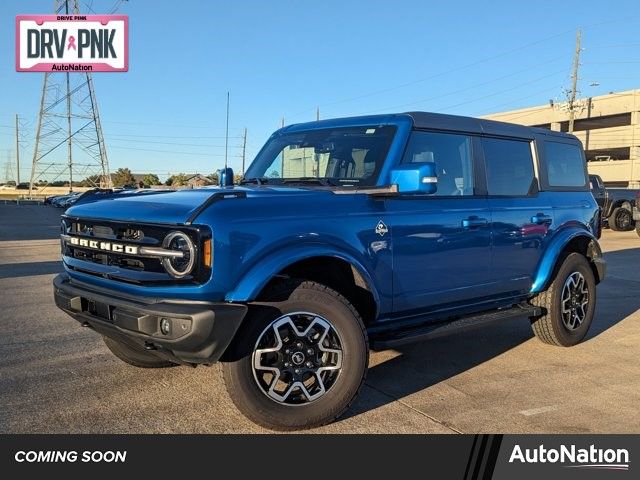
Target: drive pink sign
(72, 43)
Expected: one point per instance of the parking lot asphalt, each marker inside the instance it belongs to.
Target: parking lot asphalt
(56, 377)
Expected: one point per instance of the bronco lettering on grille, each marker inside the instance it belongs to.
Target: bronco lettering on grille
(105, 246)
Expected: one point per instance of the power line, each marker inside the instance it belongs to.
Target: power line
(471, 87)
(440, 74)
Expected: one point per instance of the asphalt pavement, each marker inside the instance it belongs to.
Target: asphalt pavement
(56, 377)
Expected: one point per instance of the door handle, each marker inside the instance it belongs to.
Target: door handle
(541, 219)
(473, 222)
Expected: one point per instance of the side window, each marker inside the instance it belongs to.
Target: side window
(509, 166)
(452, 156)
(565, 165)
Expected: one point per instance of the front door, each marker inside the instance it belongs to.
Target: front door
(441, 242)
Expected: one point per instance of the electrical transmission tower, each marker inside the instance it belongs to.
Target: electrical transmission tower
(69, 144)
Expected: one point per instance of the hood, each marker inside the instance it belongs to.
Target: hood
(173, 206)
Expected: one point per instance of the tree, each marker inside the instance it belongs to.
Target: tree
(151, 179)
(177, 180)
(123, 178)
(91, 181)
(213, 177)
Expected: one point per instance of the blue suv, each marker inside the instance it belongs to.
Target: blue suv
(345, 235)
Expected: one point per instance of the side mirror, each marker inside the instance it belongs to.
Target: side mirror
(415, 178)
(225, 177)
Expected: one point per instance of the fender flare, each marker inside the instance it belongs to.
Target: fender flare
(552, 253)
(253, 281)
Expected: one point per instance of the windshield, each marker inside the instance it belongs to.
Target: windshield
(335, 156)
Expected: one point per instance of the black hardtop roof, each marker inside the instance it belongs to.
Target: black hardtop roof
(441, 121)
(435, 121)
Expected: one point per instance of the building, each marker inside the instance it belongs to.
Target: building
(607, 125)
(197, 180)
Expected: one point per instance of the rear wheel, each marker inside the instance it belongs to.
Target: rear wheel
(135, 355)
(621, 220)
(301, 360)
(568, 304)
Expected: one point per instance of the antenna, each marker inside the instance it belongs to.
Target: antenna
(226, 136)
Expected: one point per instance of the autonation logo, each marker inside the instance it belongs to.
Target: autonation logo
(573, 457)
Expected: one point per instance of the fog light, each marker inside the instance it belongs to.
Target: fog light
(165, 326)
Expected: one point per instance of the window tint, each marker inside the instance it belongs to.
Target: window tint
(509, 166)
(452, 156)
(565, 165)
(341, 156)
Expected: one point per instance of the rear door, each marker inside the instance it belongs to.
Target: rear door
(521, 216)
(441, 242)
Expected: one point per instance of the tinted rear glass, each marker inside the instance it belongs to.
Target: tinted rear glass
(565, 165)
(509, 166)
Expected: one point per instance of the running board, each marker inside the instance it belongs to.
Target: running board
(440, 329)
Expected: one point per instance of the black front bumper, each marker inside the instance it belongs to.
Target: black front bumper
(199, 332)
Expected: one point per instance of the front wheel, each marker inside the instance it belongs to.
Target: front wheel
(301, 359)
(568, 304)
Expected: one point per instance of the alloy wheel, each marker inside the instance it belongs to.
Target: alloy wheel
(574, 301)
(297, 358)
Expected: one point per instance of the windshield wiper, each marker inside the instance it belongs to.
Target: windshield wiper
(320, 181)
(257, 181)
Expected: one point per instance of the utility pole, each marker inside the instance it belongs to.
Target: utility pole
(317, 114)
(226, 137)
(244, 148)
(282, 123)
(17, 153)
(574, 81)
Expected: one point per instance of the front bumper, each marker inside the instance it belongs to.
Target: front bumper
(199, 332)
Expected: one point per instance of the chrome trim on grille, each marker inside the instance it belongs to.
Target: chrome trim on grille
(140, 251)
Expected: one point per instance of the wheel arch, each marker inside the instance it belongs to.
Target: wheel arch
(352, 279)
(568, 241)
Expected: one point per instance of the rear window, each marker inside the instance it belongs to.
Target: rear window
(565, 165)
(509, 166)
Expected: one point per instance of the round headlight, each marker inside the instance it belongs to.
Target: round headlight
(179, 266)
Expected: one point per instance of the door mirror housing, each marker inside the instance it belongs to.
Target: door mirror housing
(415, 178)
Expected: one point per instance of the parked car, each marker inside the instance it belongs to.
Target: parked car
(345, 235)
(616, 204)
(59, 201)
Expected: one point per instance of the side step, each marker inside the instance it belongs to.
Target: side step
(440, 329)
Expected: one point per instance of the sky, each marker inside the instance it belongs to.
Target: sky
(285, 58)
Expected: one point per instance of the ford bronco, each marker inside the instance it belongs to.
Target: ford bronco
(345, 235)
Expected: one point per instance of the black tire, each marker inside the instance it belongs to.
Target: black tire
(135, 355)
(621, 220)
(253, 398)
(552, 326)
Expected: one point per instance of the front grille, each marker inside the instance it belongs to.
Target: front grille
(120, 266)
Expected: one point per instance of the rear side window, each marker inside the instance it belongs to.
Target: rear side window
(565, 165)
(509, 166)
